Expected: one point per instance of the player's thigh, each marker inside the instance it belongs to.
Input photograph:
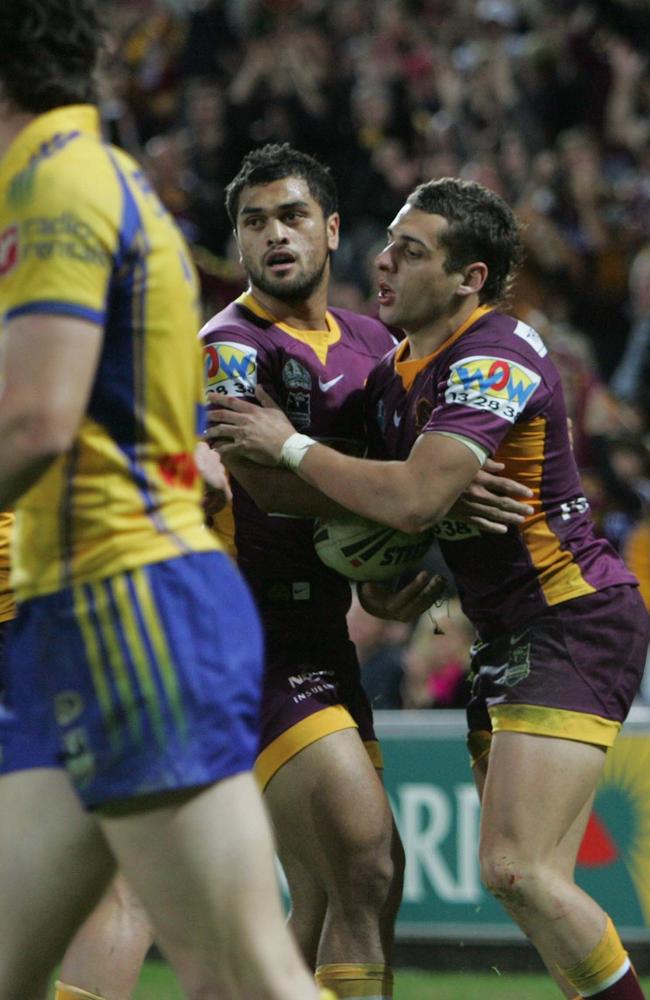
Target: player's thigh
(328, 801)
(536, 789)
(54, 862)
(202, 864)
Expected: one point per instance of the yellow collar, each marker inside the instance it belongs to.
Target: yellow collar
(408, 369)
(319, 340)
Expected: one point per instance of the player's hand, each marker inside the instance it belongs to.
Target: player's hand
(493, 502)
(406, 604)
(218, 492)
(238, 427)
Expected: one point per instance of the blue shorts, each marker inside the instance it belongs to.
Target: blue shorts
(145, 682)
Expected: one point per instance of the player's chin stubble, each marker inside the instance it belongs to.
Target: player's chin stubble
(290, 290)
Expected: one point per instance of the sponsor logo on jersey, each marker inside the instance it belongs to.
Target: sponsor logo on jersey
(179, 470)
(230, 369)
(423, 411)
(451, 529)
(326, 386)
(497, 385)
(21, 186)
(62, 236)
(531, 337)
(579, 505)
(8, 249)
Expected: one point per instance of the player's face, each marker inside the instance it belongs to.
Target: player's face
(284, 239)
(415, 291)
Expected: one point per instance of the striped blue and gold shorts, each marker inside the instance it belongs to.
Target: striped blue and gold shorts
(144, 682)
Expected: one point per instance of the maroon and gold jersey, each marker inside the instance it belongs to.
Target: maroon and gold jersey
(493, 385)
(317, 377)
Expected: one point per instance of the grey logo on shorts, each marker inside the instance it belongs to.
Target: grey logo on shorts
(518, 667)
(68, 706)
(79, 757)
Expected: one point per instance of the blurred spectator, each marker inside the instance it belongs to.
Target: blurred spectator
(379, 649)
(637, 554)
(423, 667)
(630, 382)
(436, 661)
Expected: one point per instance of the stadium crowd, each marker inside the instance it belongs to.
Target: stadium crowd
(546, 103)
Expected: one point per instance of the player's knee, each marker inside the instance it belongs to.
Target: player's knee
(372, 868)
(508, 877)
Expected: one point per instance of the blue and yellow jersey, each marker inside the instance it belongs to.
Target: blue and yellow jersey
(82, 234)
(7, 605)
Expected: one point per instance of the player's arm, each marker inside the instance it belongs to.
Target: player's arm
(411, 495)
(279, 491)
(49, 368)
(491, 501)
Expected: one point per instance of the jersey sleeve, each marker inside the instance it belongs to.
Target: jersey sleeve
(66, 232)
(481, 397)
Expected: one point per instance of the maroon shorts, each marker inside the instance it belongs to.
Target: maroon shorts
(572, 671)
(312, 688)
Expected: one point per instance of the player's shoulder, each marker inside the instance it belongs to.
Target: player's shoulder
(234, 322)
(66, 191)
(500, 336)
(364, 329)
(504, 332)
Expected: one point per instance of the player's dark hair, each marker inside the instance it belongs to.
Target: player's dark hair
(481, 226)
(49, 53)
(273, 162)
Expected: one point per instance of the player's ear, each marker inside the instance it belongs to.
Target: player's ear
(474, 277)
(332, 225)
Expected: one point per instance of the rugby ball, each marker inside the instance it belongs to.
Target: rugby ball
(364, 550)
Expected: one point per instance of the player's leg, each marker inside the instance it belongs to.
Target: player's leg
(203, 865)
(168, 753)
(54, 865)
(557, 699)
(308, 904)
(536, 789)
(344, 835)
(106, 954)
(565, 858)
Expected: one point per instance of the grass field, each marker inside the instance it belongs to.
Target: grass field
(158, 983)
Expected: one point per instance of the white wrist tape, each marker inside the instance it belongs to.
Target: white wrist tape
(294, 450)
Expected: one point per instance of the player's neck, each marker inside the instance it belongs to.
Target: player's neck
(11, 123)
(427, 339)
(301, 314)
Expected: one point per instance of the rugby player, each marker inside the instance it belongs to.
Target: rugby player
(319, 760)
(562, 630)
(135, 659)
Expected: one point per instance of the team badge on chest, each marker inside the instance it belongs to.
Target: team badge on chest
(299, 385)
